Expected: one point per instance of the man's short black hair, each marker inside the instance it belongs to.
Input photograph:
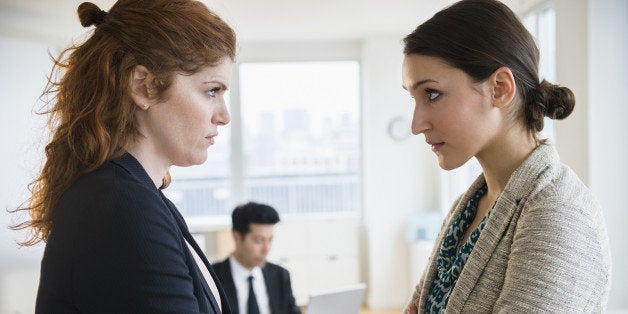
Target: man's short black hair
(252, 212)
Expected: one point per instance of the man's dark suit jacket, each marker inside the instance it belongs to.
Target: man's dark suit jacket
(117, 245)
(278, 287)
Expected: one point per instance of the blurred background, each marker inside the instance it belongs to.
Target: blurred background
(320, 130)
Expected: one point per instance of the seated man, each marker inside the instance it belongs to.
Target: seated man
(252, 285)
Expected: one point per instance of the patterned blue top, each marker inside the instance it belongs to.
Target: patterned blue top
(449, 261)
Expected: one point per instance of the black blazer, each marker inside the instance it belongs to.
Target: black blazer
(278, 287)
(117, 245)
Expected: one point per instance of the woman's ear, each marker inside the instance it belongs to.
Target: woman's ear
(142, 90)
(503, 87)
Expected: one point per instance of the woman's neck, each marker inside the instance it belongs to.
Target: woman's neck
(150, 161)
(502, 157)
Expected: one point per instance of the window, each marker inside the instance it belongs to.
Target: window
(542, 25)
(301, 143)
(295, 144)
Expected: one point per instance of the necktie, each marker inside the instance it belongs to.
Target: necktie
(252, 301)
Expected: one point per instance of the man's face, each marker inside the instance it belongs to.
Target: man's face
(252, 249)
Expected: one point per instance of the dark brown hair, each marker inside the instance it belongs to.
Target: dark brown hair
(246, 214)
(480, 36)
(91, 112)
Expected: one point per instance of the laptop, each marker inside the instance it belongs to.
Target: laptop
(343, 300)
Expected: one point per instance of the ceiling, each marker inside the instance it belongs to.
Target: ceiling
(253, 20)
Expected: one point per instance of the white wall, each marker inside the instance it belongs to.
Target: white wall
(608, 128)
(571, 71)
(591, 56)
(399, 177)
(24, 66)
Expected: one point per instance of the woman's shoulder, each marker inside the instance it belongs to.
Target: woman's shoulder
(110, 200)
(544, 180)
(563, 207)
(560, 185)
(557, 201)
(112, 178)
(110, 188)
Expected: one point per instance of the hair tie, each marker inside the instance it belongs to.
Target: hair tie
(99, 17)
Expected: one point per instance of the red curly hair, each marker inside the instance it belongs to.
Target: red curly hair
(91, 112)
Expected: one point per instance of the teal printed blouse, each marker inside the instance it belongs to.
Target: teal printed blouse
(449, 261)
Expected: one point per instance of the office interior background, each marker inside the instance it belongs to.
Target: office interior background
(320, 130)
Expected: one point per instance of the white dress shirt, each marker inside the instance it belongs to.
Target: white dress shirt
(240, 277)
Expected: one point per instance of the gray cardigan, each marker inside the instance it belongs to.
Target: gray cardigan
(543, 249)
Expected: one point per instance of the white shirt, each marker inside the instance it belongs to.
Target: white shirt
(240, 277)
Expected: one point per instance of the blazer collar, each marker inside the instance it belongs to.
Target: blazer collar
(272, 286)
(524, 179)
(131, 165)
(229, 286)
(135, 169)
(188, 237)
(270, 279)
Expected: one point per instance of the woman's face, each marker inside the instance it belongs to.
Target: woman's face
(181, 128)
(454, 113)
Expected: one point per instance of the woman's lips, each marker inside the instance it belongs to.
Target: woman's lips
(210, 139)
(436, 146)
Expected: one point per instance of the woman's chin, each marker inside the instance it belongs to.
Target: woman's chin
(449, 164)
(193, 160)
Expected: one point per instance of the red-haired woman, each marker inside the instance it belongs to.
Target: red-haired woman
(143, 93)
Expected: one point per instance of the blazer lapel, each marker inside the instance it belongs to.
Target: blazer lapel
(188, 237)
(272, 287)
(490, 237)
(508, 205)
(230, 292)
(432, 271)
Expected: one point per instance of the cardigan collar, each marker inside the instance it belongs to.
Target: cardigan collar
(524, 179)
(519, 186)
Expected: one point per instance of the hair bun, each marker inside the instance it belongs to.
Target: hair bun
(90, 14)
(557, 101)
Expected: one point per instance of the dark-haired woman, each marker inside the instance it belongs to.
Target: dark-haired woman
(142, 93)
(528, 236)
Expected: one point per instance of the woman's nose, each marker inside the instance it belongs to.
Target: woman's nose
(221, 116)
(419, 120)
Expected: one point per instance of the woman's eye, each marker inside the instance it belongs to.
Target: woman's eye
(432, 94)
(212, 92)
